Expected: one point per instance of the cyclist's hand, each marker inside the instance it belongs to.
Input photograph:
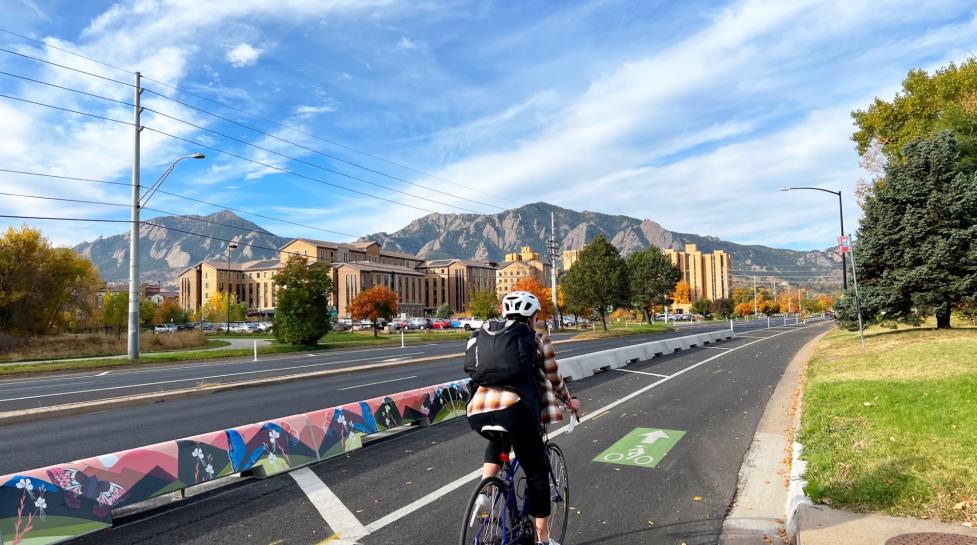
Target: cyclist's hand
(574, 406)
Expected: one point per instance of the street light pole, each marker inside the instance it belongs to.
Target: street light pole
(841, 216)
(137, 204)
(227, 293)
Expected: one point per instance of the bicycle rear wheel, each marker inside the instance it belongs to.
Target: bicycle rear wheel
(485, 518)
(559, 493)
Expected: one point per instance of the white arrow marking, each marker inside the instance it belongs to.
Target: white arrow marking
(653, 436)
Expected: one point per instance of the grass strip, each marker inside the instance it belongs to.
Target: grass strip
(632, 329)
(892, 428)
(329, 341)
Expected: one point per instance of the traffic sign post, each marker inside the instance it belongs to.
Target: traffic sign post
(642, 447)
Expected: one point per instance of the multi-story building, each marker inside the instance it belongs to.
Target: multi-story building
(453, 281)
(524, 264)
(706, 273)
(570, 258)
(420, 286)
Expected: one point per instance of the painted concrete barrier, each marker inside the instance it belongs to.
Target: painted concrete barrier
(583, 366)
(65, 501)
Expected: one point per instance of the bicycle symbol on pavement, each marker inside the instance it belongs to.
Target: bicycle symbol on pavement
(642, 447)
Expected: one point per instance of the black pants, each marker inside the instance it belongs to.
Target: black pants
(527, 442)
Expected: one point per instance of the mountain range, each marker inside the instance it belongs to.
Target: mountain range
(168, 245)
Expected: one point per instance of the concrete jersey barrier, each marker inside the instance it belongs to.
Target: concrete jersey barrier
(65, 501)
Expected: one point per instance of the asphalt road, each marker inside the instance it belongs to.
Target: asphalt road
(45, 442)
(56, 389)
(412, 488)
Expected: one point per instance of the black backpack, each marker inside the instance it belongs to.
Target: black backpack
(501, 354)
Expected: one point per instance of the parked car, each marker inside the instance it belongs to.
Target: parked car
(468, 324)
(340, 325)
(440, 323)
(165, 328)
(265, 326)
(207, 326)
(420, 323)
(397, 324)
(455, 323)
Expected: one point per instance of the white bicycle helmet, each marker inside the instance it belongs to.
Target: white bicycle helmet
(522, 303)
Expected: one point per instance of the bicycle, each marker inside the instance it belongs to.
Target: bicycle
(506, 521)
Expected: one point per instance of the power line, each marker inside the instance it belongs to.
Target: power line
(254, 116)
(316, 151)
(218, 150)
(246, 143)
(80, 71)
(255, 146)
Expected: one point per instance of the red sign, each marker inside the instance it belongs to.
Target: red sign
(844, 246)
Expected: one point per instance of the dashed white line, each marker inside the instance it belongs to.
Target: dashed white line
(103, 373)
(378, 382)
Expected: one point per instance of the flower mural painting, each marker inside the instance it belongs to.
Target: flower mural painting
(203, 458)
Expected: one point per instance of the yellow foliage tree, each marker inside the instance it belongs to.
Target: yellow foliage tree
(682, 293)
(215, 309)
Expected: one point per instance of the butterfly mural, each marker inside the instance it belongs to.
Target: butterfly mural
(241, 458)
(77, 485)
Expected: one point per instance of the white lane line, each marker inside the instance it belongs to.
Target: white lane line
(738, 336)
(375, 383)
(342, 521)
(716, 347)
(103, 373)
(194, 379)
(52, 386)
(458, 483)
(642, 373)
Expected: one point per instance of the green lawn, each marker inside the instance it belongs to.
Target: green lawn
(621, 330)
(893, 428)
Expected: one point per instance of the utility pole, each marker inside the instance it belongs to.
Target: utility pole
(788, 296)
(133, 334)
(554, 247)
(858, 305)
(755, 304)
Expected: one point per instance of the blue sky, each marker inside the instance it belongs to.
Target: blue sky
(691, 114)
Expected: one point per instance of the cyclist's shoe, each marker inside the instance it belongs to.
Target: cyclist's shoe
(482, 506)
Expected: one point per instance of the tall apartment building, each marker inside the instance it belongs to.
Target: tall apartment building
(706, 273)
(570, 258)
(421, 286)
(524, 264)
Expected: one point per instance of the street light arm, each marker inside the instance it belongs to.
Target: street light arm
(159, 182)
(812, 188)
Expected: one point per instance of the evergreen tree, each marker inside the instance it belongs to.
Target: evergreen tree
(598, 280)
(917, 246)
(302, 314)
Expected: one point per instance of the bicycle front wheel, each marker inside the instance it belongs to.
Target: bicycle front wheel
(559, 494)
(485, 519)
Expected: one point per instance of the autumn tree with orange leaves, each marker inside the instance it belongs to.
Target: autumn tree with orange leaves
(373, 304)
(682, 293)
(534, 287)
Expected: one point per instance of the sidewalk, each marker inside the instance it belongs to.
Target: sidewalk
(821, 525)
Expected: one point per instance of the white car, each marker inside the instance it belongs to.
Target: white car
(165, 328)
(470, 324)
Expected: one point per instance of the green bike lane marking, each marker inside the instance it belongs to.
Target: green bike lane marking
(642, 447)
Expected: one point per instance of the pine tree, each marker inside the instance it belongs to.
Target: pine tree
(302, 314)
(598, 280)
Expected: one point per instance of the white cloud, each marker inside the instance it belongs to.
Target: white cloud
(243, 55)
(406, 44)
(306, 110)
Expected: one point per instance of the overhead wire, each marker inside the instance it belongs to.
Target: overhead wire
(224, 152)
(254, 116)
(241, 141)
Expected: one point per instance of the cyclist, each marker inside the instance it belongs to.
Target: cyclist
(523, 407)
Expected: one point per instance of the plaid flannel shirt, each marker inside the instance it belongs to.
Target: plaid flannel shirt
(553, 389)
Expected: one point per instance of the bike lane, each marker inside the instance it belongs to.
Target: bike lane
(413, 487)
